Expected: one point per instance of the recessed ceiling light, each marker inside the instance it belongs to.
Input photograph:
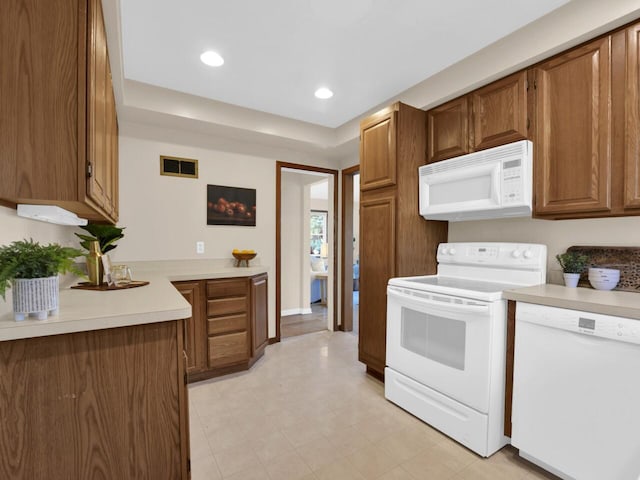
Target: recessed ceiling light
(324, 93)
(212, 58)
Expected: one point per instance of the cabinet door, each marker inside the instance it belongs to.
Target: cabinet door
(448, 130)
(39, 101)
(499, 112)
(99, 172)
(378, 150)
(632, 120)
(111, 156)
(377, 265)
(259, 314)
(573, 132)
(228, 349)
(195, 334)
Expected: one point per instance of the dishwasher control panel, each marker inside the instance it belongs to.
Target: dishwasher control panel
(604, 326)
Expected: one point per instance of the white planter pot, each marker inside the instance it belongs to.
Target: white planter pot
(571, 279)
(38, 296)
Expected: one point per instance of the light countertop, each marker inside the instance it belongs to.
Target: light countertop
(84, 310)
(621, 304)
(182, 270)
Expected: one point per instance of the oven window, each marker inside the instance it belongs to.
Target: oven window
(437, 338)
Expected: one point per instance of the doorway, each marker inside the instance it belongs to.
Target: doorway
(306, 259)
(350, 275)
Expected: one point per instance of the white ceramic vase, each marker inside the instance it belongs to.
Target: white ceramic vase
(571, 279)
(37, 296)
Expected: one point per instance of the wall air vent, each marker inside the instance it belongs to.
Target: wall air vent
(178, 167)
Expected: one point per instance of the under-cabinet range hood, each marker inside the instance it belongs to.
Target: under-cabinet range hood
(51, 214)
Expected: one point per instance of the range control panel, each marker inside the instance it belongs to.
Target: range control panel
(495, 254)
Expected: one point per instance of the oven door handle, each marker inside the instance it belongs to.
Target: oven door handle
(426, 301)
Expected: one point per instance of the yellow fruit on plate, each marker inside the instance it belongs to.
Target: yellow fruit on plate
(245, 251)
(235, 250)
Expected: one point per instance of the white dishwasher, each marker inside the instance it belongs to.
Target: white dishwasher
(576, 392)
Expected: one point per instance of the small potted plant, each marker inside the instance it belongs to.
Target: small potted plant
(31, 270)
(105, 236)
(573, 264)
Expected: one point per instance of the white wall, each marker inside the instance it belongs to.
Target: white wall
(165, 216)
(557, 235)
(295, 271)
(320, 204)
(14, 228)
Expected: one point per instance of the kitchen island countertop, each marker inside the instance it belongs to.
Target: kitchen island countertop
(621, 304)
(85, 310)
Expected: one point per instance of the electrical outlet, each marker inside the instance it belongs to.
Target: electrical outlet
(199, 247)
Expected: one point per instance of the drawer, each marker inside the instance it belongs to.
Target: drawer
(233, 287)
(230, 323)
(228, 349)
(226, 306)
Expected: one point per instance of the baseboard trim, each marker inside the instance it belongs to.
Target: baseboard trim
(295, 311)
(273, 340)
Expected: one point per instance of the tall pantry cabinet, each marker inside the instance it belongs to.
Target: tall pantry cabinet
(394, 239)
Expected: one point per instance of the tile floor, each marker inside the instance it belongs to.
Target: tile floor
(307, 410)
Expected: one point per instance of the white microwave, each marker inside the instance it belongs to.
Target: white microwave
(492, 183)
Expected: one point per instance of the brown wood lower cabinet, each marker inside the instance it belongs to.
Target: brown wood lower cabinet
(100, 404)
(259, 314)
(228, 329)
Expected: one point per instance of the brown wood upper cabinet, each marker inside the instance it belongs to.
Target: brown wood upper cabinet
(378, 146)
(448, 130)
(58, 125)
(490, 116)
(587, 139)
(499, 112)
(573, 133)
(632, 118)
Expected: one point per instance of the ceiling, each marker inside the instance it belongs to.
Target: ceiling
(278, 52)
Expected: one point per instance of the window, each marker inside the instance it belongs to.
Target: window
(318, 226)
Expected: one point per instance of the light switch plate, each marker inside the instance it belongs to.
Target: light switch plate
(199, 247)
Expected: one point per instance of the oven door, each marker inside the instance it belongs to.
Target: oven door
(441, 341)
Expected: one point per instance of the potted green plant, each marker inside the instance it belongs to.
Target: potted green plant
(32, 270)
(106, 236)
(573, 264)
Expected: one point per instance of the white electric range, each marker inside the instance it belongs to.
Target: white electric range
(446, 338)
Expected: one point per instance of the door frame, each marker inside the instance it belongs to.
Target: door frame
(309, 168)
(346, 298)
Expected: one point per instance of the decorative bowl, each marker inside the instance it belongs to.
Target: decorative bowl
(243, 257)
(597, 273)
(603, 284)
